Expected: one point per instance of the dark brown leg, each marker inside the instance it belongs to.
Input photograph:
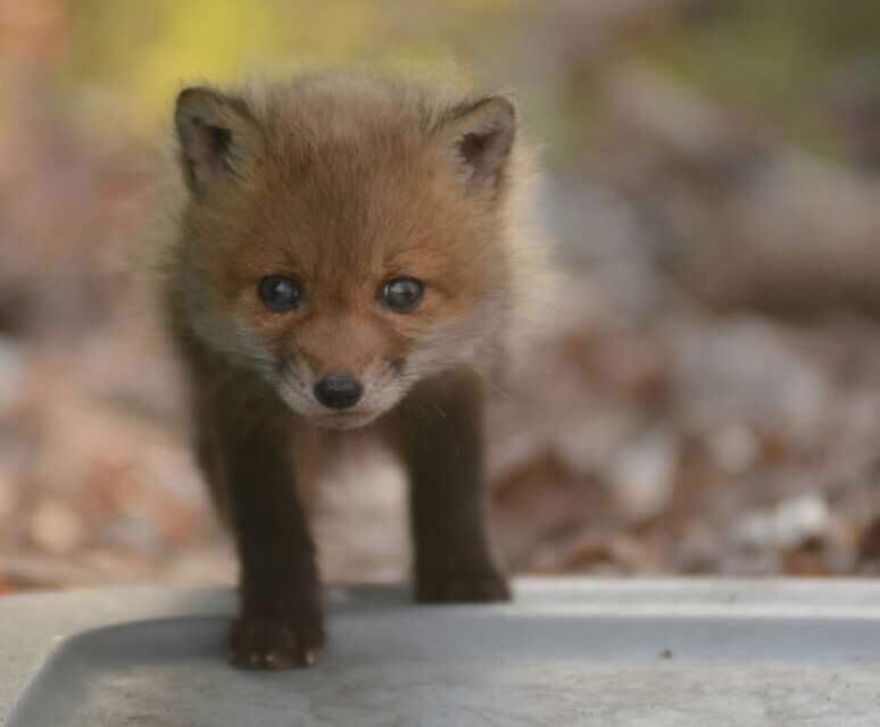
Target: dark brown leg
(441, 434)
(245, 440)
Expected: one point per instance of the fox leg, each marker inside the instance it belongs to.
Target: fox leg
(441, 437)
(245, 444)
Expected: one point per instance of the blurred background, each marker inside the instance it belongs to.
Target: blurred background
(706, 398)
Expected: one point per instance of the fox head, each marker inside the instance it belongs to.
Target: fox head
(344, 237)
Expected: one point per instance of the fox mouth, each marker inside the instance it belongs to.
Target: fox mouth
(344, 420)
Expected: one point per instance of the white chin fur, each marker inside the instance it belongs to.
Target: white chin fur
(344, 421)
(325, 418)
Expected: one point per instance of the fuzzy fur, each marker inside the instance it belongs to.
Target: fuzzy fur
(343, 181)
(353, 183)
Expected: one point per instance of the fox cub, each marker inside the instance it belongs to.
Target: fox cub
(349, 255)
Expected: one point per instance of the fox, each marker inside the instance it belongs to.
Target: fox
(351, 255)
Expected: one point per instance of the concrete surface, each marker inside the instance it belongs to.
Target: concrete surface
(567, 652)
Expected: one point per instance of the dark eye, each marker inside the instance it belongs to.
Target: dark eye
(403, 295)
(280, 293)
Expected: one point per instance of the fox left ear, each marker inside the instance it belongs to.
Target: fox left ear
(482, 136)
(218, 137)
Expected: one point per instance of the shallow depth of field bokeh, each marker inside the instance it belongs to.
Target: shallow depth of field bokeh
(706, 394)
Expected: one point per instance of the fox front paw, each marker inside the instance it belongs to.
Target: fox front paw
(462, 588)
(274, 645)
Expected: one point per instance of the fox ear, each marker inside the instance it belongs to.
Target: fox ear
(218, 137)
(482, 136)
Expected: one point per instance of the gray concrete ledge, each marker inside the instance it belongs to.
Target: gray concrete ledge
(567, 651)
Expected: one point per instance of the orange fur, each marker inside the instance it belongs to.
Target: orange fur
(351, 182)
(341, 183)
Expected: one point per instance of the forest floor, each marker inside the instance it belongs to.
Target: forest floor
(701, 399)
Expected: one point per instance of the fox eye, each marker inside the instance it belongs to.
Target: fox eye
(279, 293)
(403, 295)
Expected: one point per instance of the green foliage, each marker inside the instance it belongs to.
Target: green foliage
(777, 58)
(147, 50)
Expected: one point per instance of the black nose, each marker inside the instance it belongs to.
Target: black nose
(338, 391)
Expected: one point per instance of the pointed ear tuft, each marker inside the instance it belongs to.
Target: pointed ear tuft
(218, 137)
(482, 136)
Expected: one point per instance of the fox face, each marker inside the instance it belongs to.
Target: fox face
(344, 242)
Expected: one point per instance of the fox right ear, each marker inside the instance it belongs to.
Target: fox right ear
(481, 135)
(218, 137)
